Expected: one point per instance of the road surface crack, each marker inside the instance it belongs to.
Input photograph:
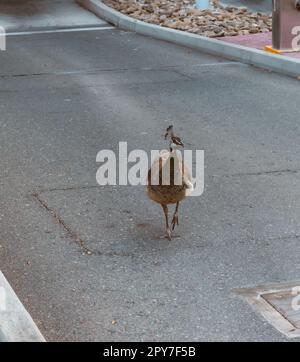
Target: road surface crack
(125, 69)
(78, 240)
(260, 173)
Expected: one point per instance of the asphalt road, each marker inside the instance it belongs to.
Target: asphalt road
(66, 96)
(20, 15)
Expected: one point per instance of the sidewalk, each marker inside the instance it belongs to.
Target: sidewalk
(255, 41)
(16, 324)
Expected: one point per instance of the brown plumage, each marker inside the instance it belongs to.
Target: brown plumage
(169, 180)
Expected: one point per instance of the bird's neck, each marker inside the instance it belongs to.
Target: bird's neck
(175, 153)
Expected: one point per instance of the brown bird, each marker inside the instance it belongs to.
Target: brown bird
(169, 180)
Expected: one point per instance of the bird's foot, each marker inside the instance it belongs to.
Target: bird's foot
(169, 234)
(174, 222)
(173, 236)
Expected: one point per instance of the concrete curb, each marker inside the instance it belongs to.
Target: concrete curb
(16, 324)
(258, 58)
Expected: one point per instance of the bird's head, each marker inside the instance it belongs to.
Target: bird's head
(169, 132)
(175, 141)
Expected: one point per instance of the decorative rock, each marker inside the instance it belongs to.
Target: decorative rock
(182, 15)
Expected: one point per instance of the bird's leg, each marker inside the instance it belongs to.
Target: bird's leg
(165, 208)
(175, 217)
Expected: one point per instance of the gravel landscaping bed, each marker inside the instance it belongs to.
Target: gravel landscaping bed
(218, 21)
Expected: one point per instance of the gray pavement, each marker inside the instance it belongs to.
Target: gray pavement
(64, 97)
(27, 15)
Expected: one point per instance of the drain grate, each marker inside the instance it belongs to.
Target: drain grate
(279, 304)
(286, 303)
